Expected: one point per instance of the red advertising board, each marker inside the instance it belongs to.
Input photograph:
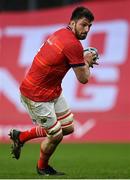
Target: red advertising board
(101, 107)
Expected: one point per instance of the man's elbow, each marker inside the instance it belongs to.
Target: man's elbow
(83, 81)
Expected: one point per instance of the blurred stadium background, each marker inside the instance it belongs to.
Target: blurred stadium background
(102, 107)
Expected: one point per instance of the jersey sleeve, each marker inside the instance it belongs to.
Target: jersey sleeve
(74, 54)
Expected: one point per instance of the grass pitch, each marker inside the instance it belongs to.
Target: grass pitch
(78, 161)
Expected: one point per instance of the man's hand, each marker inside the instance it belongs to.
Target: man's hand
(91, 56)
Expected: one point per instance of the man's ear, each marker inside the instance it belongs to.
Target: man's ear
(72, 23)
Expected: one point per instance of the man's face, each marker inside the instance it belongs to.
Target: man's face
(81, 28)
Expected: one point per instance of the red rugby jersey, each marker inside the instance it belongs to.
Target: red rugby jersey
(58, 54)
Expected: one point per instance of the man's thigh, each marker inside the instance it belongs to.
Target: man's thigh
(63, 113)
(61, 106)
(42, 114)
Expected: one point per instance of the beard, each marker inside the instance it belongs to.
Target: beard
(80, 36)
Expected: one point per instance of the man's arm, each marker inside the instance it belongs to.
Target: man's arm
(82, 73)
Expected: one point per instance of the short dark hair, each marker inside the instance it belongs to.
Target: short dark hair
(81, 12)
